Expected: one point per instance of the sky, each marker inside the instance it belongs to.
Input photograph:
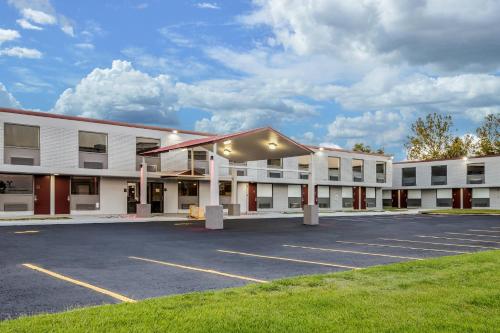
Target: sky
(324, 72)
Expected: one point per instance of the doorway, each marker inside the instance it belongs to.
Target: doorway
(395, 199)
(252, 197)
(403, 198)
(304, 195)
(155, 197)
(42, 195)
(359, 197)
(467, 198)
(62, 197)
(456, 198)
(132, 197)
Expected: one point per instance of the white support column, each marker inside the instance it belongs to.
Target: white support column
(234, 206)
(52, 195)
(311, 216)
(143, 208)
(214, 215)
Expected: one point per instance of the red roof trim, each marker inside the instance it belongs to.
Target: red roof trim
(98, 121)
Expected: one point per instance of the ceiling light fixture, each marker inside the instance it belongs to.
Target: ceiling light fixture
(175, 131)
(227, 142)
(321, 148)
(465, 158)
(227, 151)
(272, 146)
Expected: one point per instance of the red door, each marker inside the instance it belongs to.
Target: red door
(456, 198)
(252, 197)
(395, 199)
(403, 198)
(355, 197)
(61, 205)
(363, 197)
(304, 195)
(42, 195)
(467, 198)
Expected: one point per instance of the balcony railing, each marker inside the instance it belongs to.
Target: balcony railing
(409, 181)
(438, 180)
(475, 179)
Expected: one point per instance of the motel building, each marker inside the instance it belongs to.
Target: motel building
(62, 165)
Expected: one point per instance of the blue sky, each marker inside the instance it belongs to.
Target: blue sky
(325, 72)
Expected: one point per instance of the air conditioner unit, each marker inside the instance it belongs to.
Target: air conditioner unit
(22, 160)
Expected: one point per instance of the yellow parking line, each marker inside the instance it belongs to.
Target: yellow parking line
(482, 230)
(463, 239)
(27, 232)
(401, 247)
(289, 259)
(464, 234)
(434, 243)
(80, 283)
(346, 251)
(211, 271)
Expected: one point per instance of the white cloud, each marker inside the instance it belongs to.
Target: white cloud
(175, 37)
(6, 99)
(38, 17)
(8, 35)
(85, 46)
(25, 24)
(207, 5)
(21, 52)
(121, 93)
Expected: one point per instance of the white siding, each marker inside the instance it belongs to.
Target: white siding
(113, 196)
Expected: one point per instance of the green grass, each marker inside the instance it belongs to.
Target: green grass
(463, 211)
(394, 209)
(28, 218)
(449, 294)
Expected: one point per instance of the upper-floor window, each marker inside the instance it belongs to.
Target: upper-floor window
(357, 170)
(199, 155)
(439, 175)
(380, 170)
(275, 163)
(22, 136)
(334, 168)
(409, 176)
(198, 160)
(304, 166)
(475, 173)
(143, 145)
(92, 142)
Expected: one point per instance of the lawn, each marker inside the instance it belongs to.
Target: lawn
(448, 294)
(463, 211)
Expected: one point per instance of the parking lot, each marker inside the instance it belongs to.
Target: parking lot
(59, 267)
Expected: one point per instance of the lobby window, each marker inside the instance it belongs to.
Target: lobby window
(323, 196)
(409, 176)
(264, 195)
(371, 197)
(16, 192)
(480, 197)
(475, 173)
(275, 163)
(188, 193)
(357, 170)
(294, 196)
(414, 198)
(439, 175)
(444, 197)
(85, 193)
(381, 172)
(143, 145)
(334, 168)
(93, 149)
(22, 144)
(347, 197)
(225, 193)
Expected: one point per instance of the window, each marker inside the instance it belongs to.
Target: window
(324, 196)
(225, 188)
(199, 155)
(200, 161)
(294, 196)
(357, 170)
(380, 170)
(275, 163)
(480, 197)
(444, 197)
(304, 166)
(264, 195)
(414, 198)
(91, 142)
(16, 184)
(143, 145)
(346, 197)
(409, 176)
(438, 175)
(85, 185)
(371, 199)
(334, 168)
(22, 136)
(188, 193)
(475, 173)
(387, 198)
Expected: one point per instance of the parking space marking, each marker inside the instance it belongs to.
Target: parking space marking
(434, 243)
(463, 239)
(80, 283)
(402, 247)
(289, 259)
(27, 232)
(346, 251)
(198, 269)
(480, 230)
(464, 234)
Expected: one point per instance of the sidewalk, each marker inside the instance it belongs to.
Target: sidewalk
(89, 219)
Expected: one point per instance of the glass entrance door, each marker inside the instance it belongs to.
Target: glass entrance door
(132, 197)
(155, 197)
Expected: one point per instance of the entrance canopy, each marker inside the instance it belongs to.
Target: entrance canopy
(257, 144)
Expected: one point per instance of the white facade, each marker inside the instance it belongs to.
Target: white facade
(112, 185)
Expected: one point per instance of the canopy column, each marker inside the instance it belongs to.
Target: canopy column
(234, 206)
(143, 208)
(311, 216)
(214, 215)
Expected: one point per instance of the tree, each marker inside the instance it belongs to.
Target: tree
(430, 137)
(489, 137)
(460, 147)
(361, 147)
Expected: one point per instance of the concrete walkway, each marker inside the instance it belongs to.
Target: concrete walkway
(90, 219)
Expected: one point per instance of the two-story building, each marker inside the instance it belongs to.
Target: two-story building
(453, 183)
(57, 164)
